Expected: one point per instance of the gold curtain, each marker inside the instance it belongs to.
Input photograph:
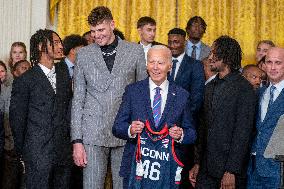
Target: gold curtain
(246, 20)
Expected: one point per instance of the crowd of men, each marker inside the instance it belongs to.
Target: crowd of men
(175, 115)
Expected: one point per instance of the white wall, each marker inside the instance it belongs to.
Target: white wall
(19, 19)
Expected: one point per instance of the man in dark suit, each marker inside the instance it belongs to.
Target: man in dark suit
(227, 119)
(39, 104)
(186, 71)
(138, 106)
(189, 74)
(195, 29)
(146, 27)
(264, 172)
(71, 44)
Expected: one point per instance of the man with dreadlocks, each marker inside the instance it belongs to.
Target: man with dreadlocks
(39, 103)
(227, 119)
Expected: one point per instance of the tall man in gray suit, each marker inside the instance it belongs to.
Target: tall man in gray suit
(102, 71)
(195, 29)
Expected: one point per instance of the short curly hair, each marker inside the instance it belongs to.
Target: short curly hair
(98, 15)
(228, 50)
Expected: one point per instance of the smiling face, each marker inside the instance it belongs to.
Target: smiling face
(176, 44)
(103, 32)
(159, 64)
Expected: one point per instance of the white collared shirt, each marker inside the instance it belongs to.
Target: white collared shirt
(189, 45)
(50, 74)
(266, 96)
(210, 79)
(179, 59)
(70, 66)
(146, 49)
(164, 93)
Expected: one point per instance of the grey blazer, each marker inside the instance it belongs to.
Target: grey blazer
(98, 93)
(205, 51)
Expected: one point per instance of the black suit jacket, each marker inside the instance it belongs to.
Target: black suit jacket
(226, 125)
(38, 117)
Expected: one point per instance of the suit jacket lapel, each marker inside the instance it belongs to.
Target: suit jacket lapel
(98, 60)
(276, 107)
(169, 107)
(119, 61)
(45, 83)
(181, 68)
(260, 96)
(146, 100)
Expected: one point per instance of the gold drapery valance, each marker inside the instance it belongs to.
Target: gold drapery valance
(246, 20)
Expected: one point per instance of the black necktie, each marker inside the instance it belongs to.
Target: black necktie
(172, 76)
(193, 54)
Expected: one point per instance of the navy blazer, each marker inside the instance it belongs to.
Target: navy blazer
(267, 167)
(136, 105)
(190, 76)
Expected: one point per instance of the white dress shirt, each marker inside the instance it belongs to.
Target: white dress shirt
(189, 45)
(70, 66)
(164, 93)
(266, 96)
(210, 79)
(50, 74)
(146, 49)
(179, 59)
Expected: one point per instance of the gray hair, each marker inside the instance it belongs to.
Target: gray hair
(161, 47)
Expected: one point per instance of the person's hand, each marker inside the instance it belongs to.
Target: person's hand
(79, 155)
(136, 127)
(175, 132)
(193, 174)
(228, 181)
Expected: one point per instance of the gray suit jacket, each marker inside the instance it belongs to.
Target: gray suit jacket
(98, 93)
(205, 51)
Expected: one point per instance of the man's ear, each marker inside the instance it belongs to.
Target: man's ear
(112, 24)
(139, 31)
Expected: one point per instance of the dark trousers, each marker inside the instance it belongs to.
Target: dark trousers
(13, 177)
(188, 161)
(48, 176)
(76, 177)
(125, 182)
(206, 181)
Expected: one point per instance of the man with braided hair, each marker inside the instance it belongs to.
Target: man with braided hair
(226, 125)
(39, 103)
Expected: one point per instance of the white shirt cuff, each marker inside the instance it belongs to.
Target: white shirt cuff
(129, 134)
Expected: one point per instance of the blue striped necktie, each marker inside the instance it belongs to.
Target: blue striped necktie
(272, 89)
(157, 106)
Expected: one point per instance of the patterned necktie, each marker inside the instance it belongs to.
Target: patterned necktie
(193, 54)
(272, 89)
(157, 106)
(52, 79)
(172, 76)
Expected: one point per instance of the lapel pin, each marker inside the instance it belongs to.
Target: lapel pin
(174, 94)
